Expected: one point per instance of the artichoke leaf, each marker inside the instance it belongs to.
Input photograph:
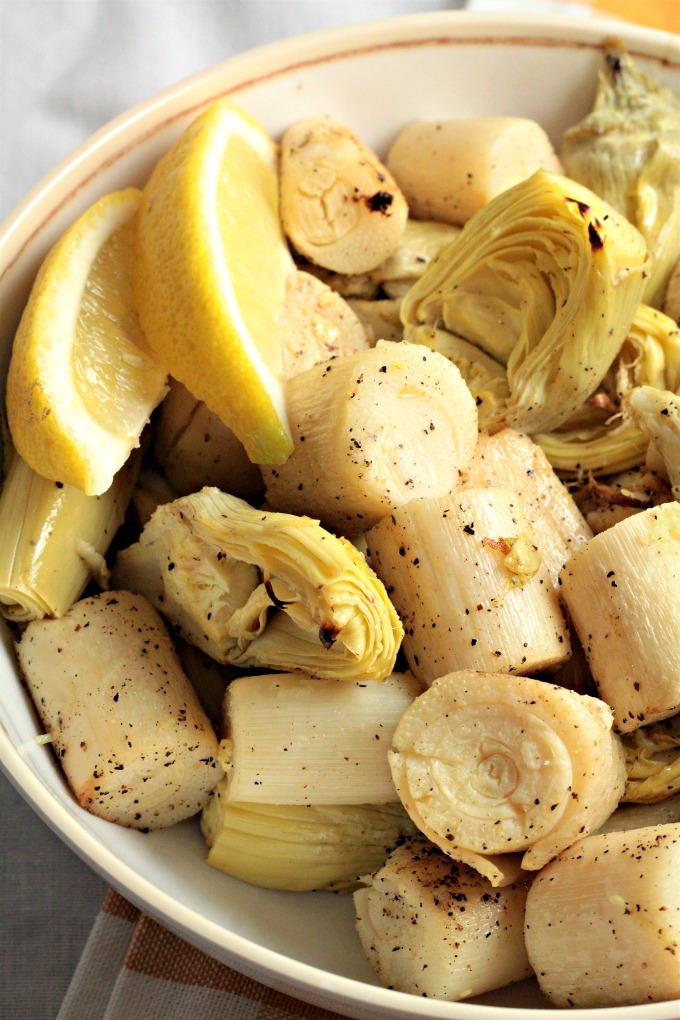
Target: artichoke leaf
(380, 319)
(301, 847)
(627, 149)
(263, 589)
(55, 537)
(604, 435)
(545, 280)
(653, 762)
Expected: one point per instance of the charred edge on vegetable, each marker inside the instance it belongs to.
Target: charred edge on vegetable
(596, 240)
(274, 600)
(380, 202)
(328, 634)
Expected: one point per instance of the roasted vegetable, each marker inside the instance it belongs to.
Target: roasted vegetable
(261, 589)
(381, 320)
(448, 169)
(604, 435)
(403, 425)
(621, 590)
(130, 734)
(486, 378)
(340, 206)
(300, 847)
(489, 764)
(467, 580)
(556, 523)
(194, 448)
(545, 280)
(295, 739)
(602, 923)
(54, 538)
(653, 761)
(627, 149)
(433, 927)
(316, 324)
(421, 241)
(606, 501)
(671, 304)
(657, 414)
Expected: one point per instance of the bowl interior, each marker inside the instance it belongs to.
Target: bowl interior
(376, 78)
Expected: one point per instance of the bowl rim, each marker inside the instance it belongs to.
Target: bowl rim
(55, 190)
(322, 45)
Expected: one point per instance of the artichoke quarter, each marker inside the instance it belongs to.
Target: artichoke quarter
(605, 434)
(262, 589)
(627, 149)
(545, 280)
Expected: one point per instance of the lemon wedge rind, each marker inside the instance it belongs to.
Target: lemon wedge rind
(54, 417)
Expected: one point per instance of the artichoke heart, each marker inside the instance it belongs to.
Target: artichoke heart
(653, 762)
(301, 847)
(263, 589)
(55, 537)
(605, 434)
(627, 149)
(545, 280)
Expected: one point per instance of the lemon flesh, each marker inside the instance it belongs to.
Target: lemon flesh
(210, 273)
(82, 382)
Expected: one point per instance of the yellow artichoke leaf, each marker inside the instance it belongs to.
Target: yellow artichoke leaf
(344, 615)
(653, 762)
(658, 213)
(627, 149)
(612, 448)
(602, 436)
(301, 847)
(188, 578)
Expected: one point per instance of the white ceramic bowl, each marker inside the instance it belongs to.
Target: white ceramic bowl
(375, 77)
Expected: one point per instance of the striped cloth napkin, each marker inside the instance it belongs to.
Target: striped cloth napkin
(134, 967)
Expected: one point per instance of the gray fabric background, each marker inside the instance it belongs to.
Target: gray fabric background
(66, 68)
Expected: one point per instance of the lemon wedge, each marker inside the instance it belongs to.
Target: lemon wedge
(210, 274)
(81, 382)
